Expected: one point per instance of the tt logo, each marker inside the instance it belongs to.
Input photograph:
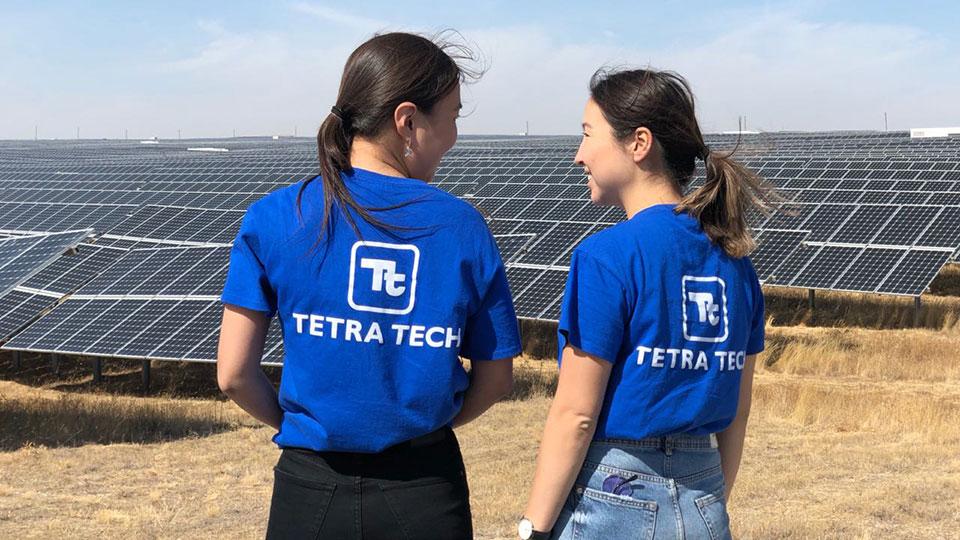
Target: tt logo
(705, 314)
(705, 306)
(385, 276)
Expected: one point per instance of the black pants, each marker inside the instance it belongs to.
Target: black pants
(409, 491)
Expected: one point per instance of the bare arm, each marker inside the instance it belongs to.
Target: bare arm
(242, 335)
(570, 426)
(490, 381)
(730, 440)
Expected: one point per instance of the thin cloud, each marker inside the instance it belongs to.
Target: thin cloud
(340, 17)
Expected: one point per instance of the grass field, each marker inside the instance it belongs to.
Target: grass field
(855, 433)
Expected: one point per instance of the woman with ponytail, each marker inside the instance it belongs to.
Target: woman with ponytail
(380, 282)
(661, 320)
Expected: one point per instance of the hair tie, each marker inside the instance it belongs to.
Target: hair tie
(342, 116)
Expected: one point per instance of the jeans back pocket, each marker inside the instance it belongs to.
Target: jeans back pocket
(437, 508)
(605, 515)
(713, 510)
(298, 506)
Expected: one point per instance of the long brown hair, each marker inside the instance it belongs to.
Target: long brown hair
(663, 102)
(380, 74)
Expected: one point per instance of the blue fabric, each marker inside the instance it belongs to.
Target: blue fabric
(674, 315)
(373, 326)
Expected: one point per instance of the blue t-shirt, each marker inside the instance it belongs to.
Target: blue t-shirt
(674, 315)
(373, 326)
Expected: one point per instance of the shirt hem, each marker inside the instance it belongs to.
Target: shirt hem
(588, 348)
(247, 305)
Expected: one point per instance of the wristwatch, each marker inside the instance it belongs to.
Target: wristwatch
(526, 531)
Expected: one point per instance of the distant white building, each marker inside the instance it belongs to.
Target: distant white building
(924, 133)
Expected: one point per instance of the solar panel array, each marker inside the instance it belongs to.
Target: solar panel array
(41, 292)
(157, 303)
(165, 215)
(874, 212)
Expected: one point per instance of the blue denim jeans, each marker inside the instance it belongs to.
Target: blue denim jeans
(661, 487)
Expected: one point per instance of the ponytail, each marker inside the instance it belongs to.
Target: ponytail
(334, 141)
(722, 203)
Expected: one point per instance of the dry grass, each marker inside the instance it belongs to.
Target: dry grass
(184, 485)
(788, 307)
(855, 433)
(877, 355)
(74, 420)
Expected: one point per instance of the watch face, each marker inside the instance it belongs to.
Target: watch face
(525, 528)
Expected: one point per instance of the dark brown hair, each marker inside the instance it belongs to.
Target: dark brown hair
(662, 102)
(379, 75)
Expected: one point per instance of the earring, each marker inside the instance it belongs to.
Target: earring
(407, 152)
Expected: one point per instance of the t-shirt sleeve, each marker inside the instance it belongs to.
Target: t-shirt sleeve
(755, 343)
(594, 312)
(492, 331)
(247, 285)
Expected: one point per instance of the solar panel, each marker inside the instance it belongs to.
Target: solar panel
(19, 308)
(157, 329)
(150, 302)
(512, 246)
(825, 267)
(59, 217)
(556, 245)
(179, 225)
(826, 219)
(791, 265)
(541, 294)
(68, 273)
(906, 225)
(45, 288)
(914, 272)
(943, 231)
(773, 246)
(862, 273)
(172, 320)
(170, 271)
(520, 277)
(22, 257)
(863, 224)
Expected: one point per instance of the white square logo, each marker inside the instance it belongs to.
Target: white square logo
(383, 277)
(704, 309)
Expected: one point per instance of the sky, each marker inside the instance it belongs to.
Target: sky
(215, 68)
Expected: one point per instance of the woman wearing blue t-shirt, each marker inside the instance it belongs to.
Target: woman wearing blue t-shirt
(380, 282)
(661, 319)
